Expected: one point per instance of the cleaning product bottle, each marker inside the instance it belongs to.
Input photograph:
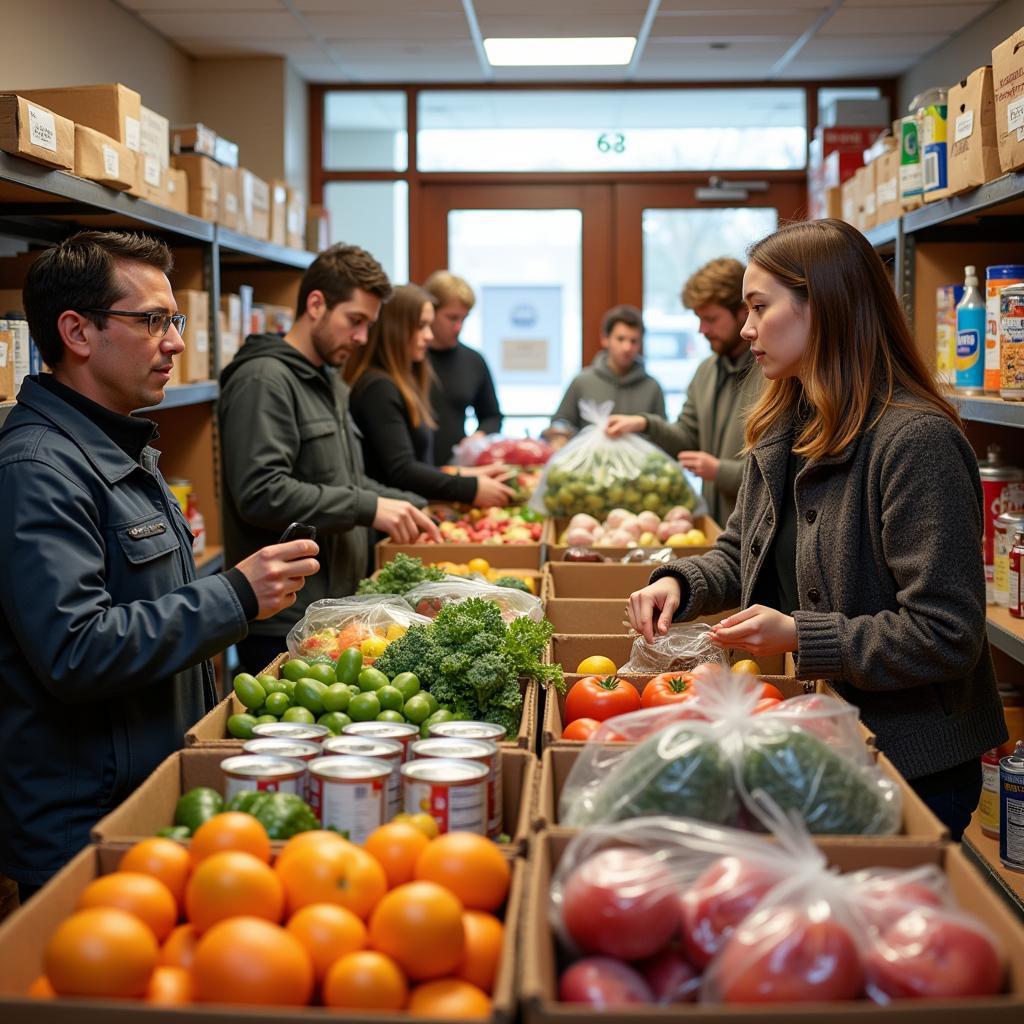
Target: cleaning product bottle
(970, 337)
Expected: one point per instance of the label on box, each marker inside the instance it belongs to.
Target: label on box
(231, 202)
(111, 162)
(1020, 134)
(869, 204)
(887, 192)
(151, 171)
(202, 340)
(42, 128)
(4, 346)
(293, 222)
(964, 126)
(1015, 115)
(132, 133)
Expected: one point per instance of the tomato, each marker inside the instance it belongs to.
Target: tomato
(716, 903)
(620, 902)
(769, 690)
(668, 688)
(929, 955)
(673, 979)
(783, 955)
(581, 729)
(601, 698)
(603, 983)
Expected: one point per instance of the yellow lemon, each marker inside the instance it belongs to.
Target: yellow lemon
(373, 647)
(747, 665)
(395, 631)
(480, 565)
(596, 665)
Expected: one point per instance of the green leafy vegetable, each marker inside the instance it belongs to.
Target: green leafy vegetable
(400, 575)
(283, 815)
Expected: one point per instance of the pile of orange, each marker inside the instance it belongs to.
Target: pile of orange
(403, 923)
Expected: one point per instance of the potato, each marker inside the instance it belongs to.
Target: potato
(667, 529)
(679, 512)
(581, 519)
(649, 521)
(579, 536)
(616, 517)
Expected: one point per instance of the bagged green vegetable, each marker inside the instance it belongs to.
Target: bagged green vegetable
(283, 815)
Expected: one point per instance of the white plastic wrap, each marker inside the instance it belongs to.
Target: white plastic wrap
(681, 649)
(331, 625)
(428, 598)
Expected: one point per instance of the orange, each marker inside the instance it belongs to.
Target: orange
(304, 840)
(332, 873)
(419, 924)
(396, 846)
(180, 947)
(365, 981)
(142, 895)
(450, 998)
(170, 986)
(327, 932)
(101, 951)
(249, 960)
(231, 830)
(164, 859)
(41, 989)
(471, 866)
(231, 883)
(485, 936)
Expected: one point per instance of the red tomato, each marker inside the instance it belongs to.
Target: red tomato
(668, 688)
(766, 704)
(581, 729)
(928, 955)
(673, 979)
(783, 956)
(603, 983)
(600, 698)
(771, 691)
(620, 902)
(716, 903)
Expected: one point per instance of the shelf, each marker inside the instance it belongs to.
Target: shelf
(186, 394)
(231, 242)
(991, 410)
(1006, 632)
(884, 236)
(1003, 197)
(984, 851)
(210, 561)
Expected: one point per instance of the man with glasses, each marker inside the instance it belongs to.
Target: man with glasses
(105, 630)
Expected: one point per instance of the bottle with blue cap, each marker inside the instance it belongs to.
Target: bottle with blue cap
(970, 337)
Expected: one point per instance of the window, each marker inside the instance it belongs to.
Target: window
(374, 215)
(365, 131)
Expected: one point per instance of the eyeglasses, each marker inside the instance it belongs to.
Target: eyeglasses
(158, 323)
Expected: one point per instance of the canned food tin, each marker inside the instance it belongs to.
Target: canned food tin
(391, 752)
(1004, 531)
(350, 794)
(1011, 343)
(470, 731)
(453, 793)
(181, 489)
(291, 731)
(483, 751)
(298, 750)
(1016, 605)
(404, 732)
(263, 772)
(1011, 809)
(988, 805)
(1002, 487)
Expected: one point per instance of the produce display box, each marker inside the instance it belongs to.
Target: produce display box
(595, 579)
(570, 615)
(540, 959)
(500, 556)
(24, 935)
(151, 806)
(212, 729)
(920, 827)
(556, 552)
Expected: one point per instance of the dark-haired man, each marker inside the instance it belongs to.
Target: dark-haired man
(290, 452)
(105, 629)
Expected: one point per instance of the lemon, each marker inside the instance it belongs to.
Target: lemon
(373, 647)
(395, 631)
(480, 565)
(748, 666)
(596, 665)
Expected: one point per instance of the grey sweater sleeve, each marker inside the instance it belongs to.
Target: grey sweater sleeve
(568, 410)
(682, 435)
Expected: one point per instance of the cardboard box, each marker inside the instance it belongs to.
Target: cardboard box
(255, 205)
(195, 139)
(295, 220)
(972, 138)
(195, 360)
(541, 962)
(553, 528)
(318, 228)
(6, 363)
(103, 159)
(229, 323)
(887, 186)
(177, 190)
(501, 556)
(229, 208)
(203, 185)
(573, 615)
(869, 216)
(111, 109)
(851, 201)
(24, 936)
(839, 166)
(279, 213)
(225, 152)
(595, 579)
(155, 136)
(30, 130)
(1008, 88)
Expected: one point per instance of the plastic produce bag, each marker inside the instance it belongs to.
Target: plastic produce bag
(703, 758)
(428, 598)
(681, 649)
(335, 623)
(512, 451)
(595, 473)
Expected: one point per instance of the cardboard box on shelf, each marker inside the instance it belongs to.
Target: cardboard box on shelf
(195, 359)
(155, 136)
(971, 133)
(177, 190)
(277, 319)
(1008, 89)
(850, 196)
(194, 138)
(279, 213)
(30, 130)
(203, 184)
(502, 556)
(112, 109)
(887, 186)
(839, 166)
(869, 215)
(295, 220)
(101, 158)
(229, 208)
(225, 152)
(318, 228)
(255, 205)
(230, 327)
(6, 363)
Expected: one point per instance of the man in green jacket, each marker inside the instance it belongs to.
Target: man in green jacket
(289, 447)
(708, 436)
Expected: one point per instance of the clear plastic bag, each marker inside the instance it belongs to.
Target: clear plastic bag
(595, 473)
(681, 649)
(512, 451)
(428, 598)
(335, 623)
(704, 757)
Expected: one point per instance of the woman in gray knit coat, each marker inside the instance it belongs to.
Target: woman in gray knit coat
(856, 539)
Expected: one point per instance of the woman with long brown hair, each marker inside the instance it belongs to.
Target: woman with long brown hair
(390, 380)
(856, 540)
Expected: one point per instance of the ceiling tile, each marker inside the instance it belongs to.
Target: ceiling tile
(226, 25)
(381, 8)
(865, 48)
(871, 21)
(823, 70)
(555, 22)
(486, 8)
(183, 6)
(368, 26)
(293, 49)
(670, 7)
(720, 26)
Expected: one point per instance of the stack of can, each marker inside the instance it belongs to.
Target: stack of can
(1011, 809)
(1002, 488)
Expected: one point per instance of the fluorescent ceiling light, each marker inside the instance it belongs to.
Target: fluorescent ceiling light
(560, 52)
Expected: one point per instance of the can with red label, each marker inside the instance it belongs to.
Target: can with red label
(453, 793)
(404, 732)
(1002, 487)
(265, 773)
(1004, 532)
(988, 805)
(389, 751)
(298, 750)
(1016, 580)
(291, 731)
(350, 794)
(483, 751)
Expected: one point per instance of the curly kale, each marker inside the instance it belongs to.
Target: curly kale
(513, 583)
(525, 644)
(411, 652)
(400, 576)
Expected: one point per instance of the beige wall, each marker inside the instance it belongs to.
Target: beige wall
(296, 130)
(968, 49)
(75, 42)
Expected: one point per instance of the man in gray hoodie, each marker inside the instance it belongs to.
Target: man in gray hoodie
(617, 374)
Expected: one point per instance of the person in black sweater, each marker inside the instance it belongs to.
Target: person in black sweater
(461, 376)
(390, 381)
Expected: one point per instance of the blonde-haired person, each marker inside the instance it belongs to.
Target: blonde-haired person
(462, 378)
(856, 541)
(708, 436)
(390, 380)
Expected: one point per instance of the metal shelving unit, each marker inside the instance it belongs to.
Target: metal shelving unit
(232, 245)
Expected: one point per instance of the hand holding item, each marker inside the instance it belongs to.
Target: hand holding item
(700, 464)
(758, 629)
(620, 424)
(652, 608)
(278, 572)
